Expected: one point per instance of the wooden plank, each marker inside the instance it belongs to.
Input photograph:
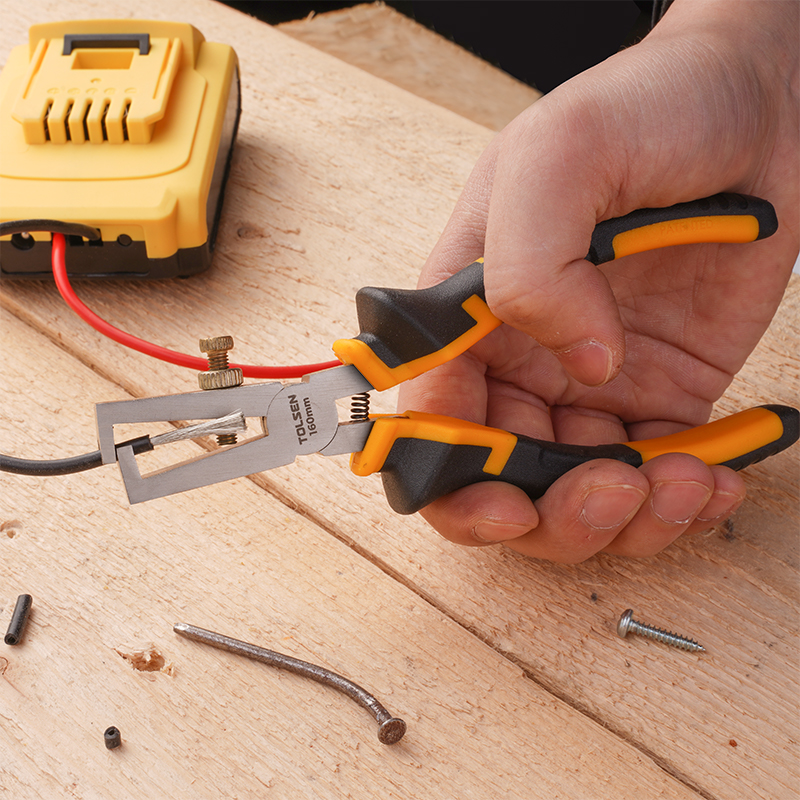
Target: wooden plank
(109, 581)
(734, 589)
(341, 181)
(385, 43)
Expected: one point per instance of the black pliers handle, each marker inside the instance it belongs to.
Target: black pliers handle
(405, 332)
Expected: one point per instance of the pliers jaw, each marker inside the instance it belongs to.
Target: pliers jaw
(297, 418)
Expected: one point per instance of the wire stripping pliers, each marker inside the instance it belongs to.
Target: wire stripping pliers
(404, 333)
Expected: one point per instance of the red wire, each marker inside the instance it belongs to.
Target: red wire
(148, 348)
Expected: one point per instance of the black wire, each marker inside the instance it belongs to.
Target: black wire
(67, 466)
(49, 226)
(58, 466)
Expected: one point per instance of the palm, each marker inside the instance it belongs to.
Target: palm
(685, 339)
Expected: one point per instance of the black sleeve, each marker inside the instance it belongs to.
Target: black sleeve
(659, 9)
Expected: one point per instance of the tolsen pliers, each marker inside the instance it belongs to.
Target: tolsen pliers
(404, 333)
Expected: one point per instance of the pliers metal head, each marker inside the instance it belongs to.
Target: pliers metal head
(297, 419)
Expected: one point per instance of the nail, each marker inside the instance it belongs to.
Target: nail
(491, 532)
(391, 728)
(678, 503)
(611, 506)
(721, 504)
(590, 362)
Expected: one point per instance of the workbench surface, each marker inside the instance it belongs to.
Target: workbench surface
(507, 670)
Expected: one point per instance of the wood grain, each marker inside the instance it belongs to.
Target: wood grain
(341, 180)
(109, 581)
(393, 47)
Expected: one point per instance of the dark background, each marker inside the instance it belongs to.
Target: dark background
(540, 42)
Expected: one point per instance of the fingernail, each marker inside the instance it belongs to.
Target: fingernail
(611, 506)
(679, 502)
(589, 362)
(721, 504)
(491, 532)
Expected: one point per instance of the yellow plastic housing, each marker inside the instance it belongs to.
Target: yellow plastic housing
(115, 137)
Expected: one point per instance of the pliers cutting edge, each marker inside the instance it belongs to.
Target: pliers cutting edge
(404, 333)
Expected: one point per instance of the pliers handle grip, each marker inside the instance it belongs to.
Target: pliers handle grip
(404, 333)
(422, 457)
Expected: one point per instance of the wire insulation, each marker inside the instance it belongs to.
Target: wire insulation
(68, 466)
(231, 423)
(57, 466)
(149, 348)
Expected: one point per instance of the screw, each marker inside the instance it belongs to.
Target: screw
(219, 374)
(391, 728)
(627, 624)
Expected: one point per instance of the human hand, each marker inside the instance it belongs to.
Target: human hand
(639, 347)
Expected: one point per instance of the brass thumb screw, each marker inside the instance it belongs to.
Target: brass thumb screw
(219, 374)
(627, 624)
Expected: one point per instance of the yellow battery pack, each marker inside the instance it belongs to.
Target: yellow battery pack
(124, 125)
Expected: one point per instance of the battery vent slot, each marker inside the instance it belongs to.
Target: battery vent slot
(74, 124)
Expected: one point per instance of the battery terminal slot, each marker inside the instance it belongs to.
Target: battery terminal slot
(97, 88)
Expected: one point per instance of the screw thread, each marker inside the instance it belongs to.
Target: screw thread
(218, 359)
(666, 637)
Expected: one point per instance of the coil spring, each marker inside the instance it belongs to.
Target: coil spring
(359, 406)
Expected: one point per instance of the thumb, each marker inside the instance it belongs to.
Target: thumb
(547, 196)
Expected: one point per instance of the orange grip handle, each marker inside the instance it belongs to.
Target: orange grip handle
(736, 441)
(405, 332)
(735, 218)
